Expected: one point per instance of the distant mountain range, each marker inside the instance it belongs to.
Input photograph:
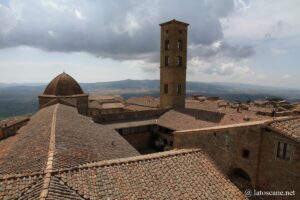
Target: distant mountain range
(18, 99)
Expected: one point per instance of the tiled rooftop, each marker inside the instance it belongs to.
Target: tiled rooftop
(205, 114)
(77, 141)
(154, 176)
(146, 101)
(99, 105)
(289, 127)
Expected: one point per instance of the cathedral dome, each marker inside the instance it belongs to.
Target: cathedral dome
(63, 85)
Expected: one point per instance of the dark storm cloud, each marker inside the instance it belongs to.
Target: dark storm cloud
(122, 30)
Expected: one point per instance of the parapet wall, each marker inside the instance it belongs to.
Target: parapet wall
(128, 116)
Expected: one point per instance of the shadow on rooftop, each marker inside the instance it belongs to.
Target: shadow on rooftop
(204, 115)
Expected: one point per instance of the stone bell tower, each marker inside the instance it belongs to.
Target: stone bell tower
(173, 59)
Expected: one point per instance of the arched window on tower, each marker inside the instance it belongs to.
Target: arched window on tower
(179, 45)
(166, 88)
(179, 61)
(167, 44)
(167, 60)
(179, 88)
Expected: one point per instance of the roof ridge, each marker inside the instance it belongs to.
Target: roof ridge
(133, 159)
(252, 123)
(51, 151)
(16, 176)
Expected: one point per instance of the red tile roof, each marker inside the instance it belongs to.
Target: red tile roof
(77, 140)
(146, 101)
(205, 114)
(289, 127)
(179, 174)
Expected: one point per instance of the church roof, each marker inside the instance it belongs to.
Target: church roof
(77, 140)
(63, 85)
(177, 174)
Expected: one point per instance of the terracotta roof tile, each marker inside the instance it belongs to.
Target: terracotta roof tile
(156, 176)
(177, 174)
(27, 151)
(20, 188)
(146, 101)
(78, 140)
(289, 127)
(204, 114)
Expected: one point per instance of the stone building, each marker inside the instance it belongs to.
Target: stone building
(65, 155)
(100, 105)
(214, 152)
(173, 59)
(65, 89)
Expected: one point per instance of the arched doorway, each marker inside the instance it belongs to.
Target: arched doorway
(240, 178)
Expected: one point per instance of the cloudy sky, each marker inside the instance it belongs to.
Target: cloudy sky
(247, 41)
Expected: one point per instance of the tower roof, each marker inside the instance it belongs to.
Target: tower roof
(174, 21)
(63, 85)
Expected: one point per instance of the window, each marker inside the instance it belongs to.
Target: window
(179, 45)
(246, 153)
(167, 60)
(167, 45)
(167, 31)
(179, 61)
(180, 31)
(166, 88)
(283, 150)
(179, 89)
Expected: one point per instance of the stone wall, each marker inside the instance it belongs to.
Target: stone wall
(276, 173)
(252, 148)
(127, 116)
(226, 146)
(97, 111)
(12, 129)
(140, 141)
(80, 101)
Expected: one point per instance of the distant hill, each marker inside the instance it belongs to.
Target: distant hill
(18, 99)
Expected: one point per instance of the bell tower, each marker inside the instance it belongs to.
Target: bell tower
(173, 59)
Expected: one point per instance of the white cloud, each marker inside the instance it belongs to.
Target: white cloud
(218, 67)
(78, 14)
(51, 4)
(287, 76)
(260, 19)
(277, 51)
